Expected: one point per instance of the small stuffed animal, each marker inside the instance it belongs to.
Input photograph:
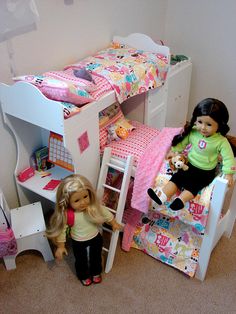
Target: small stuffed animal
(178, 162)
(111, 134)
(122, 132)
(84, 74)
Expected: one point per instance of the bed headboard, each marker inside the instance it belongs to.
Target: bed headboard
(144, 42)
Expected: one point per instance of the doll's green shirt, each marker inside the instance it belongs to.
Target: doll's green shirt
(84, 229)
(204, 151)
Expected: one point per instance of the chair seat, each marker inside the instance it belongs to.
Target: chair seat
(27, 220)
(28, 225)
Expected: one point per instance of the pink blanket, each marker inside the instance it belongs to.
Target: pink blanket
(147, 169)
(149, 165)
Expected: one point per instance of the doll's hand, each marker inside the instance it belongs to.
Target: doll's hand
(230, 179)
(60, 251)
(115, 225)
(171, 154)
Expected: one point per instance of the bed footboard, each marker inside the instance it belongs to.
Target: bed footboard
(221, 220)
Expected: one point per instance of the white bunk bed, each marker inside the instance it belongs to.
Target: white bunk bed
(31, 116)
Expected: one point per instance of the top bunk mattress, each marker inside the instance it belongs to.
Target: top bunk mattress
(129, 66)
(25, 100)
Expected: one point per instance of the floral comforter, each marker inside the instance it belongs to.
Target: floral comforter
(128, 70)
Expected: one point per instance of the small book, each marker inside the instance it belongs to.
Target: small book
(51, 185)
(41, 159)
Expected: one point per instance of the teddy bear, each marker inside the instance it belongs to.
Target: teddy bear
(178, 162)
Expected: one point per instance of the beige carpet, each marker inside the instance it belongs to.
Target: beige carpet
(136, 284)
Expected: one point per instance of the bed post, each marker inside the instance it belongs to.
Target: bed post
(231, 213)
(211, 233)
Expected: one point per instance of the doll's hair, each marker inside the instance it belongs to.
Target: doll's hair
(68, 186)
(211, 107)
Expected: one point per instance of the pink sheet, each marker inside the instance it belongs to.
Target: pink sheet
(149, 166)
(135, 144)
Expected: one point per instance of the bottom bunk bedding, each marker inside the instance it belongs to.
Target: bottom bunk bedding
(123, 136)
(135, 144)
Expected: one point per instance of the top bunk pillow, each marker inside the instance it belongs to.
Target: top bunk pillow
(58, 90)
(70, 76)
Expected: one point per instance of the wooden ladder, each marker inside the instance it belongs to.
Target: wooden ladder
(109, 163)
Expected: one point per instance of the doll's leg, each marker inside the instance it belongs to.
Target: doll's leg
(95, 258)
(170, 189)
(163, 194)
(180, 201)
(81, 259)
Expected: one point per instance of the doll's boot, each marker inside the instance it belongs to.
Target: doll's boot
(159, 197)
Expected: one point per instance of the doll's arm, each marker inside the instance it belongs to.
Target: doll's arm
(230, 179)
(110, 219)
(171, 154)
(115, 225)
(61, 250)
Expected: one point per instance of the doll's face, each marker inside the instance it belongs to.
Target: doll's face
(80, 200)
(206, 125)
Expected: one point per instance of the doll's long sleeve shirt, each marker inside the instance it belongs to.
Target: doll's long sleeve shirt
(204, 151)
(84, 229)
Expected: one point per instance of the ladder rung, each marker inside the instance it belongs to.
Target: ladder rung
(106, 229)
(111, 188)
(115, 167)
(112, 210)
(105, 249)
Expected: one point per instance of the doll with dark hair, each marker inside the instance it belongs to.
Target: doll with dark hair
(206, 137)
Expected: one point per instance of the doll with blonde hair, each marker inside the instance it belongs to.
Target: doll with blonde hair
(76, 193)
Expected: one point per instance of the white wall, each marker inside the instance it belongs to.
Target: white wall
(67, 33)
(205, 30)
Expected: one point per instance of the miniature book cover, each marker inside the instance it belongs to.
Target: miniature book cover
(41, 159)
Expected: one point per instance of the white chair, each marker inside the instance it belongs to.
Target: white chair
(29, 228)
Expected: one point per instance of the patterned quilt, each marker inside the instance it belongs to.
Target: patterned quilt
(173, 237)
(128, 70)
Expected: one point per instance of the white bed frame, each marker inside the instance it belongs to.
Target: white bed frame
(30, 116)
(220, 222)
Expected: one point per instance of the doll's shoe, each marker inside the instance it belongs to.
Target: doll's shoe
(97, 279)
(153, 196)
(86, 282)
(157, 196)
(177, 204)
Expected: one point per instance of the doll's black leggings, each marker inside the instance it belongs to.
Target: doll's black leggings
(194, 179)
(88, 257)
